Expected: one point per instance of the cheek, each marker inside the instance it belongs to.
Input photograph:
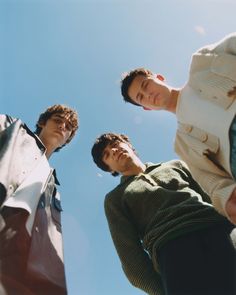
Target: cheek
(68, 134)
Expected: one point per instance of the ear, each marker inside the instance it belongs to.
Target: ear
(41, 125)
(146, 109)
(160, 77)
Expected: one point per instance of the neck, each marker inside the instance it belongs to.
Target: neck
(50, 148)
(135, 168)
(174, 94)
(49, 152)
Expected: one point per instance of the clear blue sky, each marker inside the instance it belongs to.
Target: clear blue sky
(74, 52)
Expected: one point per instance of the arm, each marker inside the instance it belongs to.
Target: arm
(135, 261)
(221, 190)
(217, 183)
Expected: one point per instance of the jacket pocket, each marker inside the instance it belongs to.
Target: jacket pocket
(197, 139)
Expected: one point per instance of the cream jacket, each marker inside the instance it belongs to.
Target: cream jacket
(213, 78)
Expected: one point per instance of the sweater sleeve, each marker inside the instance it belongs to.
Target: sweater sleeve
(135, 261)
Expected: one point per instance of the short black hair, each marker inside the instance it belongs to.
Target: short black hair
(101, 143)
(128, 79)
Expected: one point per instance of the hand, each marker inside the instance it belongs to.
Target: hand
(230, 207)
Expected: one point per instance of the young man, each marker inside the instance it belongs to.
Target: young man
(169, 239)
(205, 109)
(31, 249)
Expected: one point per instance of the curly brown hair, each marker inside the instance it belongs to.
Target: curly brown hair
(59, 109)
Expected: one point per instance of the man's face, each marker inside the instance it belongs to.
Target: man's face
(149, 92)
(118, 156)
(56, 131)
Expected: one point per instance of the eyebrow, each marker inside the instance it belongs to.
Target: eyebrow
(57, 116)
(62, 117)
(142, 84)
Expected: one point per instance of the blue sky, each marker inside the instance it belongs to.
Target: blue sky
(73, 52)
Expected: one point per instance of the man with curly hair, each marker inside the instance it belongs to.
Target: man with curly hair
(31, 248)
(168, 236)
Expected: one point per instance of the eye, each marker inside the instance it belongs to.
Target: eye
(114, 144)
(69, 127)
(56, 120)
(144, 85)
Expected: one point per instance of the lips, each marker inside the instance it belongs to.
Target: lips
(58, 132)
(120, 155)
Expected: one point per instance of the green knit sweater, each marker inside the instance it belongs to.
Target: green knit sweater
(147, 210)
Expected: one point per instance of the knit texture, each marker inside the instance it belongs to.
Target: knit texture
(147, 210)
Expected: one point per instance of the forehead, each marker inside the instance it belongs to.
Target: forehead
(64, 117)
(135, 85)
(116, 143)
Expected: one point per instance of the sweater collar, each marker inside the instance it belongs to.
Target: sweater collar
(149, 167)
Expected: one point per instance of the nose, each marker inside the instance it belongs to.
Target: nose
(114, 150)
(146, 94)
(62, 126)
(149, 94)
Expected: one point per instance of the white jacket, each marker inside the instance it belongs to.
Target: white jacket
(213, 78)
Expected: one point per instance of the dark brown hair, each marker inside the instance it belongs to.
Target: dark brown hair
(128, 79)
(101, 143)
(59, 109)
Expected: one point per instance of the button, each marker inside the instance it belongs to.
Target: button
(204, 137)
(188, 128)
(23, 131)
(11, 188)
(36, 229)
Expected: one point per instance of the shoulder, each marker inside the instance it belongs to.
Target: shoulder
(114, 197)
(226, 44)
(6, 121)
(176, 163)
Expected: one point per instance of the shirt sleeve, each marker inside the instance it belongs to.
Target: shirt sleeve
(135, 261)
